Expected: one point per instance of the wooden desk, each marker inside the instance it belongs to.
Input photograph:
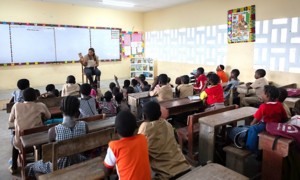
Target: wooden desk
(40, 138)
(272, 163)
(209, 125)
(290, 101)
(134, 101)
(55, 112)
(212, 171)
(182, 105)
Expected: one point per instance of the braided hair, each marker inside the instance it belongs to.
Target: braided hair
(70, 106)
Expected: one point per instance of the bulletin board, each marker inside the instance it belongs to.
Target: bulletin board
(132, 44)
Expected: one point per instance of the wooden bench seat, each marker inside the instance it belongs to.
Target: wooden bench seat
(212, 171)
(235, 158)
(53, 151)
(187, 135)
(88, 170)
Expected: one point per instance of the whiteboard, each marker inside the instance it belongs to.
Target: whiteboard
(5, 52)
(71, 41)
(32, 43)
(106, 43)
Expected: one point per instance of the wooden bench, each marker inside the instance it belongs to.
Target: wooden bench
(25, 150)
(209, 126)
(293, 85)
(49, 102)
(187, 134)
(235, 158)
(212, 171)
(53, 151)
(272, 164)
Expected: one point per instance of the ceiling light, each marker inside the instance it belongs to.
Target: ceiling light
(118, 3)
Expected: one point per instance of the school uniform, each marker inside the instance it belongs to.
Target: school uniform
(166, 158)
(258, 85)
(18, 96)
(130, 156)
(223, 76)
(27, 115)
(163, 93)
(214, 97)
(87, 107)
(70, 90)
(200, 82)
(185, 90)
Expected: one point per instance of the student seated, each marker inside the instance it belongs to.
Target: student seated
(270, 111)
(111, 86)
(121, 103)
(282, 96)
(166, 158)
(71, 88)
(201, 80)
(17, 95)
(213, 95)
(70, 128)
(184, 89)
(24, 116)
(50, 91)
(136, 86)
(258, 86)
(108, 106)
(88, 105)
(130, 153)
(232, 84)
(161, 88)
(221, 73)
(295, 120)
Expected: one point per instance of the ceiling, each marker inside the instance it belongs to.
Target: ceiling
(140, 5)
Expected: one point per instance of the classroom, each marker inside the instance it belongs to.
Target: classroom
(196, 23)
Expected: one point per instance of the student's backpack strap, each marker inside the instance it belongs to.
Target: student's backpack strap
(275, 142)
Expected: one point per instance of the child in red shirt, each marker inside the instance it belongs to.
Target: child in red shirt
(200, 81)
(214, 94)
(270, 111)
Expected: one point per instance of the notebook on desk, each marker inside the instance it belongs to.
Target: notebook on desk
(194, 98)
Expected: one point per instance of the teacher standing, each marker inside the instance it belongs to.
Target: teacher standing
(90, 63)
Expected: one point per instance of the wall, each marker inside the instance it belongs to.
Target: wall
(214, 12)
(50, 13)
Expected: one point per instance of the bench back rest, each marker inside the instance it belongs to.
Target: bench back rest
(36, 129)
(293, 85)
(9, 106)
(53, 151)
(194, 119)
(93, 118)
(51, 102)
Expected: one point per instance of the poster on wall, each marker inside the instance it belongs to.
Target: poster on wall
(241, 25)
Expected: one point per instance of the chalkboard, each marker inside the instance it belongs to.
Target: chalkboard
(30, 43)
(71, 41)
(106, 43)
(5, 53)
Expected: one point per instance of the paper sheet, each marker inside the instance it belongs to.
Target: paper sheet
(127, 50)
(133, 50)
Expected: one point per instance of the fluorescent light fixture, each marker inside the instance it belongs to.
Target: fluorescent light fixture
(118, 3)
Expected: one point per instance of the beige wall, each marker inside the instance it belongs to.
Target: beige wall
(214, 12)
(41, 12)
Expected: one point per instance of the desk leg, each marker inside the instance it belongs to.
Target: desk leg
(271, 166)
(206, 144)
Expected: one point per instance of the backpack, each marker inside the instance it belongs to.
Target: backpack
(293, 92)
(285, 130)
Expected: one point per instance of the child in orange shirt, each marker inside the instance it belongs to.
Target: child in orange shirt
(222, 75)
(214, 94)
(130, 153)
